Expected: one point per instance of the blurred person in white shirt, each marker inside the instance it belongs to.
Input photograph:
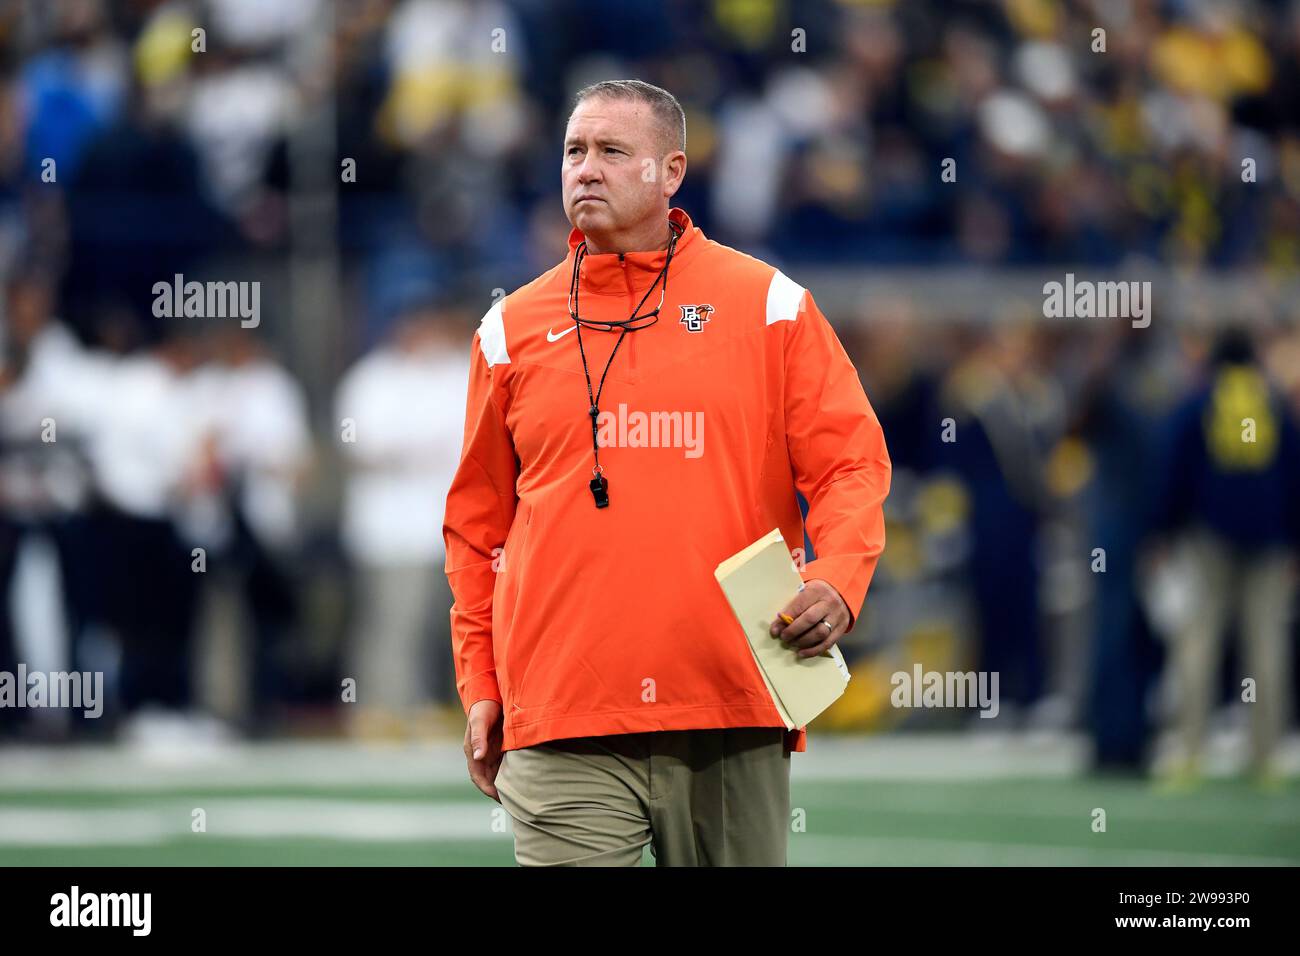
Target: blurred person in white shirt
(262, 450)
(150, 444)
(44, 485)
(401, 410)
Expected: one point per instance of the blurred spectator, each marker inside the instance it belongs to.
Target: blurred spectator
(74, 88)
(997, 422)
(136, 213)
(262, 452)
(1230, 480)
(152, 451)
(44, 476)
(1124, 399)
(401, 408)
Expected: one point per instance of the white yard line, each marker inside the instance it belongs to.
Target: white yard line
(252, 819)
(896, 757)
(230, 765)
(1138, 804)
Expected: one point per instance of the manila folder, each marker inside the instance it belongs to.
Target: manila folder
(758, 582)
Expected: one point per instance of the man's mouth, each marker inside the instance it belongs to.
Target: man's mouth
(582, 199)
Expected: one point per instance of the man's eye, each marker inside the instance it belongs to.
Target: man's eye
(573, 149)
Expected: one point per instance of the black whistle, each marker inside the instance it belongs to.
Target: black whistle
(600, 491)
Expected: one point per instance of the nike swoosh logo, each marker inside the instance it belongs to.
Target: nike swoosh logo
(552, 337)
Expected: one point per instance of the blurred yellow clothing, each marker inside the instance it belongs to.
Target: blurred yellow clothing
(422, 100)
(1220, 67)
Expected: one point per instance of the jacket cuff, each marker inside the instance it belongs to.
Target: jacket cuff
(850, 577)
(479, 687)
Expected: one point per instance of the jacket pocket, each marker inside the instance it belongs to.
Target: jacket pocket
(521, 656)
(505, 594)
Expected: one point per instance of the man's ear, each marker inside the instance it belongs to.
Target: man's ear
(674, 171)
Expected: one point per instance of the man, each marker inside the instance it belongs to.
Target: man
(637, 414)
(405, 396)
(1231, 467)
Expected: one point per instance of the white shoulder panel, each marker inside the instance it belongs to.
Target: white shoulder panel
(492, 336)
(784, 297)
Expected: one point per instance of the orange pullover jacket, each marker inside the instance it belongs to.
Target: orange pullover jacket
(584, 621)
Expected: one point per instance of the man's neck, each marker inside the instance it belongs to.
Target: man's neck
(644, 241)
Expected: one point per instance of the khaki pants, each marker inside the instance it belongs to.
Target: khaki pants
(1256, 591)
(696, 797)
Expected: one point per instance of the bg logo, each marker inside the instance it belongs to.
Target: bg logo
(694, 317)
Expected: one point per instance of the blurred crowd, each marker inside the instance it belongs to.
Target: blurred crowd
(1105, 516)
(1084, 132)
(155, 499)
(304, 466)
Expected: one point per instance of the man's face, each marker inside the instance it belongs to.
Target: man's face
(613, 181)
(29, 309)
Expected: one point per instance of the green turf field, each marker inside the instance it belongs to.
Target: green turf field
(884, 801)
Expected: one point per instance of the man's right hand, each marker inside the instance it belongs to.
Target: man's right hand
(483, 745)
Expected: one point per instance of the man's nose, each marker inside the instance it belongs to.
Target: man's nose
(589, 170)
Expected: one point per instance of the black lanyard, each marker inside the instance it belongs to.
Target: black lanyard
(599, 484)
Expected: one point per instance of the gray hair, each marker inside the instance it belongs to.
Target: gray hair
(662, 104)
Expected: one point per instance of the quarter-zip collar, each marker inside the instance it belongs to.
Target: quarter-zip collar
(631, 273)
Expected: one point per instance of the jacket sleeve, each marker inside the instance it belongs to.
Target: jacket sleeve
(480, 509)
(838, 456)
